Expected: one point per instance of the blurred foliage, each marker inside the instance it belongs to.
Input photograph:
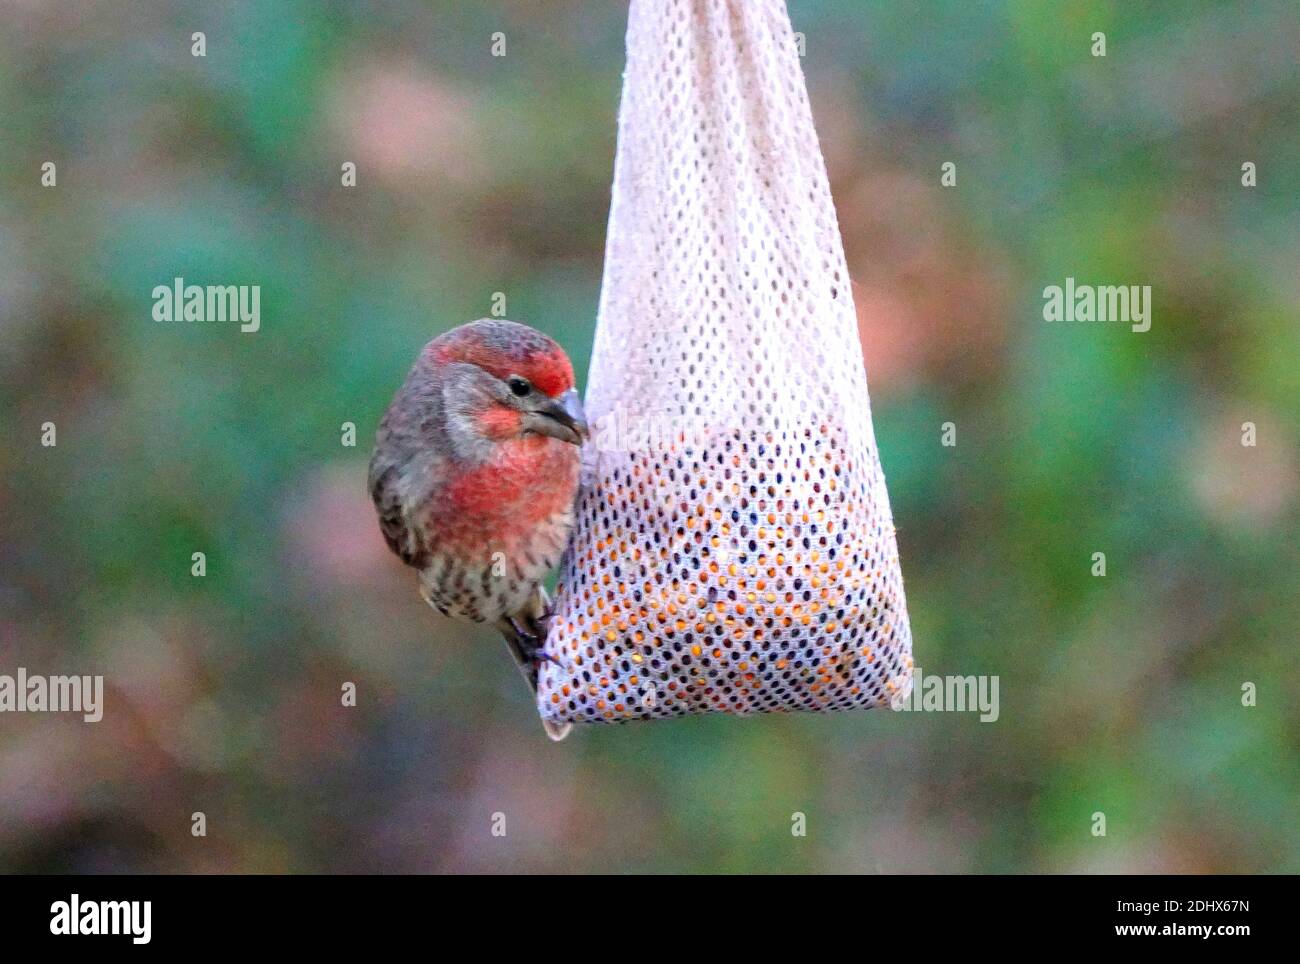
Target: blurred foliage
(480, 174)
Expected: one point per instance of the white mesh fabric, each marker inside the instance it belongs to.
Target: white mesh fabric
(734, 548)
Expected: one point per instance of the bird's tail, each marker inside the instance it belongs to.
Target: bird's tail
(525, 635)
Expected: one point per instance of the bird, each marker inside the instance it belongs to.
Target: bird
(474, 476)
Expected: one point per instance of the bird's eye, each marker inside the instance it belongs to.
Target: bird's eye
(519, 385)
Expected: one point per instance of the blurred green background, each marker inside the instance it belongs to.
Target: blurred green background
(478, 174)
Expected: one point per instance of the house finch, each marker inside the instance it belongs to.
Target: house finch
(474, 475)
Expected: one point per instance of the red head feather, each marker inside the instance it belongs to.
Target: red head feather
(505, 348)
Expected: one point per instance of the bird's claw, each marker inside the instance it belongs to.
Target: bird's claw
(525, 631)
(543, 619)
(532, 642)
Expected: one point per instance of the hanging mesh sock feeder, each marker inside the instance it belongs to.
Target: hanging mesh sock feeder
(734, 549)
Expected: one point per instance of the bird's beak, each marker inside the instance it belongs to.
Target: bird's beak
(561, 417)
